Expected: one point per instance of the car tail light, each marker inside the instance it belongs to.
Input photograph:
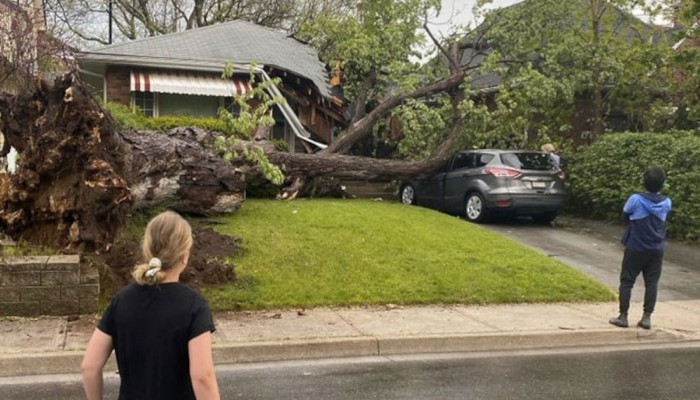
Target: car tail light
(502, 172)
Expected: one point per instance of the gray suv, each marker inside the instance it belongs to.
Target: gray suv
(482, 183)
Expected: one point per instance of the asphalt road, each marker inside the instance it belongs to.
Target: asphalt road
(642, 373)
(595, 249)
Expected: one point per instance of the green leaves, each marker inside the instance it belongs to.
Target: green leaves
(555, 52)
(254, 113)
(424, 127)
(602, 176)
(379, 39)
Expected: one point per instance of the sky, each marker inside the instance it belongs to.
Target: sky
(459, 12)
(456, 12)
(453, 14)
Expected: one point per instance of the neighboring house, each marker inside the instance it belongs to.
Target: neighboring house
(180, 74)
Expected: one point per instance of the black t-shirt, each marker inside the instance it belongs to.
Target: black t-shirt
(150, 327)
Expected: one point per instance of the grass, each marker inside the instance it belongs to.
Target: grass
(308, 253)
(22, 249)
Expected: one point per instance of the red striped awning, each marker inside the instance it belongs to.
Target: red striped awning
(187, 83)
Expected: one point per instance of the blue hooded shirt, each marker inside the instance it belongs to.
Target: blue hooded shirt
(646, 230)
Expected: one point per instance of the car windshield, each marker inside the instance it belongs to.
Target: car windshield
(529, 160)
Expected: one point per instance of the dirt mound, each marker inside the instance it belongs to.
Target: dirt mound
(206, 265)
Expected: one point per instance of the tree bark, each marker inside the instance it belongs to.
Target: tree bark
(179, 169)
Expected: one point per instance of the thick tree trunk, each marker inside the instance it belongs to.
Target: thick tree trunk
(354, 167)
(180, 169)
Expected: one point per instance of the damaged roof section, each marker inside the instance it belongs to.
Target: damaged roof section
(211, 47)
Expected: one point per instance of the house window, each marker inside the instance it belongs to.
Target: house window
(231, 106)
(187, 105)
(281, 131)
(145, 101)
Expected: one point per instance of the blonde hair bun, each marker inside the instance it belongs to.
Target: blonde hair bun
(549, 148)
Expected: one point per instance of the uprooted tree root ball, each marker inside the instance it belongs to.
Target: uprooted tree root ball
(69, 190)
(78, 179)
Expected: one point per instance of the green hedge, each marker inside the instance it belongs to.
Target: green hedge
(602, 176)
(127, 119)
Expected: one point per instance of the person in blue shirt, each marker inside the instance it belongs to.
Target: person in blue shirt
(644, 239)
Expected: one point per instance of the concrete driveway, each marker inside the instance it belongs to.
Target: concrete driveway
(594, 248)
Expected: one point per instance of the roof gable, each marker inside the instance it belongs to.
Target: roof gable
(236, 41)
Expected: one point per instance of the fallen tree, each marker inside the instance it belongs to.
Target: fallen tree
(78, 178)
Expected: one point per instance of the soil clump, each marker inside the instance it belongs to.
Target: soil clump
(206, 265)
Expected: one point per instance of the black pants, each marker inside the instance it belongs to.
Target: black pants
(649, 264)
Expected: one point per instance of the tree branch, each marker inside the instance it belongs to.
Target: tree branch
(363, 127)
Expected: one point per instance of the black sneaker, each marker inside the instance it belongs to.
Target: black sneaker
(645, 322)
(620, 321)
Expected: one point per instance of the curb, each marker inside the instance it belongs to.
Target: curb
(405, 345)
(68, 362)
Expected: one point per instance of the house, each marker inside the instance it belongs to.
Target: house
(180, 74)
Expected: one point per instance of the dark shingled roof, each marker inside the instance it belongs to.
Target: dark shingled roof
(480, 81)
(236, 41)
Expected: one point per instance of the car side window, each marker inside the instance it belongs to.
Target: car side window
(511, 160)
(465, 160)
(483, 159)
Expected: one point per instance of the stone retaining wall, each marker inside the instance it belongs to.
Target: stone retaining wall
(47, 285)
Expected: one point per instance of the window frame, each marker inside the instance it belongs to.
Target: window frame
(155, 111)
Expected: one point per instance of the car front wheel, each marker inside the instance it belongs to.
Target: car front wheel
(408, 195)
(474, 207)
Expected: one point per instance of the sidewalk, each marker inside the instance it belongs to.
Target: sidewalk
(54, 345)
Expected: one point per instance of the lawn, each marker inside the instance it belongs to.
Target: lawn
(307, 253)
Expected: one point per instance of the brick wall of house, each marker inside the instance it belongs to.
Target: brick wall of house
(118, 85)
(47, 285)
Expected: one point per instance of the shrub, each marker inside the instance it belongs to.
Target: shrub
(602, 176)
(125, 118)
(167, 123)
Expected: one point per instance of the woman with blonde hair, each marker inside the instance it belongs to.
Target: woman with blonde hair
(159, 329)
(552, 151)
